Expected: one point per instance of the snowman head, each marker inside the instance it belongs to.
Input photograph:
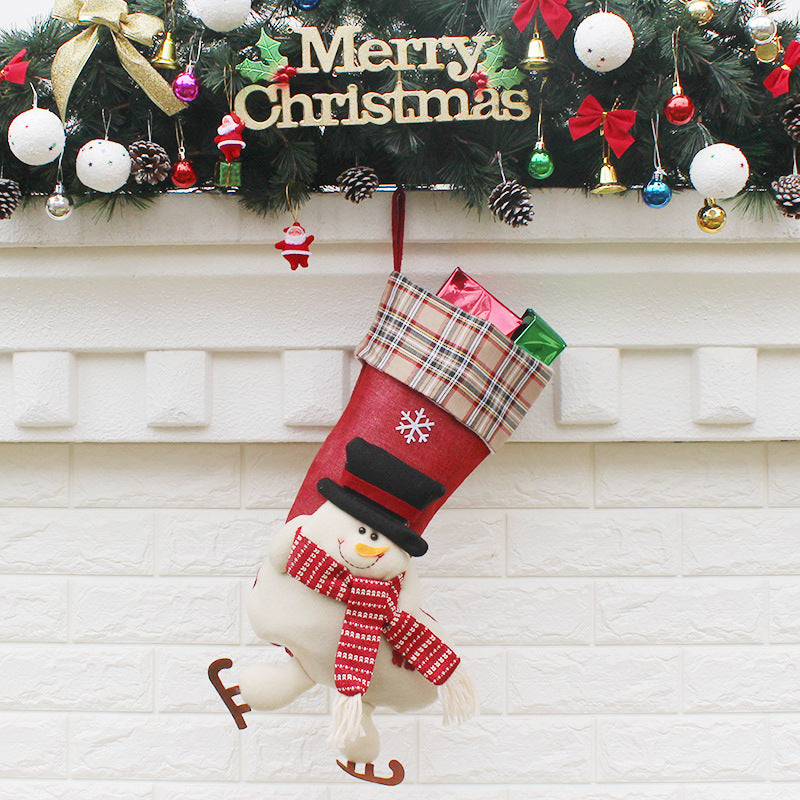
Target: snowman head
(364, 551)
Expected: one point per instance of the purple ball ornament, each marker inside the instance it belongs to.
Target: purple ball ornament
(186, 85)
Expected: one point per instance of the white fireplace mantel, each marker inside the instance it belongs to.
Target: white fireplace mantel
(183, 323)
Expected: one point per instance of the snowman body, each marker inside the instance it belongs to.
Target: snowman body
(284, 611)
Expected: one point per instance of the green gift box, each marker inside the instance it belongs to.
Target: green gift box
(538, 338)
(228, 176)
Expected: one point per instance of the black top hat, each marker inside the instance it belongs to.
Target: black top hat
(383, 492)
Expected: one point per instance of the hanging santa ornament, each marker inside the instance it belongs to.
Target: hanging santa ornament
(294, 246)
(777, 82)
(222, 15)
(103, 165)
(59, 205)
(679, 108)
(229, 140)
(182, 175)
(555, 14)
(761, 27)
(603, 41)
(36, 136)
(541, 164)
(186, 84)
(717, 171)
(614, 129)
(701, 11)
(657, 192)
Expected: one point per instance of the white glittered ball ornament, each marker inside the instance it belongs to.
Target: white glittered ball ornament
(103, 165)
(221, 15)
(603, 41)
(719, 171)
(36, 136)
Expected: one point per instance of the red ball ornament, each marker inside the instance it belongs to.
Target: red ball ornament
(679, 109)
(183, 175)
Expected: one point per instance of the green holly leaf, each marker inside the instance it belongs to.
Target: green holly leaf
(505, 78)
(270, 51)
(494, 57)
(256, 70)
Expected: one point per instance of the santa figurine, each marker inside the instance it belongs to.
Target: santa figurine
(230, 140)
(295, 245)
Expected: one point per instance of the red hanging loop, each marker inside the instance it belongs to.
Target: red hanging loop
(398, 226)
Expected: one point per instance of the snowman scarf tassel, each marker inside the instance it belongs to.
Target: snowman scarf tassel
(372, 613)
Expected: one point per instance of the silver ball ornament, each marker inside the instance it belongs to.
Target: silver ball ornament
(761, 27)
(36, 136)
(59, 205)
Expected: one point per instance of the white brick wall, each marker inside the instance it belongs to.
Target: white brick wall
(636, 643)
(623, 580)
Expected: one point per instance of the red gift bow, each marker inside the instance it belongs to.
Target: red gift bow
(15, 69)
(777, 82)
(554, 13)
(615, 124)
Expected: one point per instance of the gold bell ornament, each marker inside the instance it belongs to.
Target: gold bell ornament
(711, 217)
(165, 55)
(536, 60)
(608, 183)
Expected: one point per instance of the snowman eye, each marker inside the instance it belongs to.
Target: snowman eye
(362, 530)
(374, 537)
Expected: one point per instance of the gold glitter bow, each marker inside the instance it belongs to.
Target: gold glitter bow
(112, 14)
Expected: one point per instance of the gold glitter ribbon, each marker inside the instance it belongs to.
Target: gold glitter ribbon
(112, 14)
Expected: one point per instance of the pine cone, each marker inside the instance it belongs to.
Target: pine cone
(358, 183)
(787, 195)
(149, 162)
(10, 195)
(511, 202)
(790, 116)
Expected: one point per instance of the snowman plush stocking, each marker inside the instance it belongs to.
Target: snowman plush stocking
(438, 390)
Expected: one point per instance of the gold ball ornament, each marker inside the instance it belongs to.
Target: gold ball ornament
(711, 218)
(701, 11)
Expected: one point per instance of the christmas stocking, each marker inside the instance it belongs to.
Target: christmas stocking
(439, 388)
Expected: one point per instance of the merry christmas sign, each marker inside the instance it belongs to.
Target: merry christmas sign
(476, 61)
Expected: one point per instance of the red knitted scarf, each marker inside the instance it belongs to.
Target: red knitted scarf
(371, 613)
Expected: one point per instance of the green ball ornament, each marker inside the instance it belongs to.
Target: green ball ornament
(541, 165)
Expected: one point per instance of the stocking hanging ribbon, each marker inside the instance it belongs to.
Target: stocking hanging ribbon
(16, 69)
(777, 82)
(554, 12)
(614, 125)
(113, 15)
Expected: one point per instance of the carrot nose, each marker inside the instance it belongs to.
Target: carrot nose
(370, 552)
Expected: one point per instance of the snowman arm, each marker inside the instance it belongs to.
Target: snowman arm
(280, 545)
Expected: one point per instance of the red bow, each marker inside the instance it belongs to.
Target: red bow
(554, 13)
(16, 69)
(615, 124)
(778, 80)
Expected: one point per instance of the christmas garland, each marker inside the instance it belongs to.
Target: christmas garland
(132, 100)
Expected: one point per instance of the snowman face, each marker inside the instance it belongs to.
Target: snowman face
(363, 550)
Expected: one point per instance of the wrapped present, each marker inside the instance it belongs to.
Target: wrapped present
(467, 294)
(228, 175)
(538, 338)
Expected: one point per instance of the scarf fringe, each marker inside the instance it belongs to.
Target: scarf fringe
(346, 725)
(459, 698)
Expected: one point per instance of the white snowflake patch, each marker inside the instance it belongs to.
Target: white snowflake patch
(414, 426)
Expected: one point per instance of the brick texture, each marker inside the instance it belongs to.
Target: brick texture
(629, 613)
